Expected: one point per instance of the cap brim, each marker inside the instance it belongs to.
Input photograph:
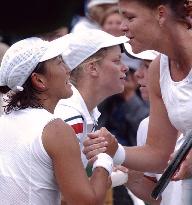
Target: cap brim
(145, 55)
(115, 41)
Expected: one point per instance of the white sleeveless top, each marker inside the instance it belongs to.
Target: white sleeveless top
(177, 97)
(26, 171)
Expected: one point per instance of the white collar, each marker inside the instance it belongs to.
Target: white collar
(77, 102)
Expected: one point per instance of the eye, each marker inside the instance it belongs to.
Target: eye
(127, 16)
(117, 61)
(130, 18)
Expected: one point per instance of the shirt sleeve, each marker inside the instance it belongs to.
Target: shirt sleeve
(72, 117)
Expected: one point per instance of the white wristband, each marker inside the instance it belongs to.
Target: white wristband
(119, 156)
(119, 178)
(105, 161)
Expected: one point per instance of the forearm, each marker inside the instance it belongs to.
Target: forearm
(100, 186)
(141, 186)
(145, 159)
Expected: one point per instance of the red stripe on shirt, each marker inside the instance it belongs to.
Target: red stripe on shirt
(78, 128)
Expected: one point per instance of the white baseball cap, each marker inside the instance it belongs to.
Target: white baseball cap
(92, 3)
(145, 55)
(84, 44)
(22, 58)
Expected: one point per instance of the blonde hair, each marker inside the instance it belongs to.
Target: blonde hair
(110, 11)
(96, 13)
(77, 73)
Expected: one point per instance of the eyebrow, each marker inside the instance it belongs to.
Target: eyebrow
(124, 12)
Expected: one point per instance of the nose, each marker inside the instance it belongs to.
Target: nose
(68, 70)
(125, 68)
(124, 26)
(139, 73)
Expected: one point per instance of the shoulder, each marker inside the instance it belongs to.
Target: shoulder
(154, 76)
(57, 136)
(66, 111)
(154, 67)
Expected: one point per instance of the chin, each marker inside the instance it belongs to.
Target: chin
(137, 50)
(68, 94)
(145, 97)
(121, 89)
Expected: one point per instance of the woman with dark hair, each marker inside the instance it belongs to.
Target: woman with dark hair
(37, 150)
(163, 25)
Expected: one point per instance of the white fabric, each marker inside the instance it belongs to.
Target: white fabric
(136, 200)
(119, 156)
(172, 195)
(145, 55)
(104, 160)
(92, 3)
(84, 44)
(177, 97)
(83, 24)
(142, 132)
(26, 171)
(1, 104)
(118, 178)
(23, 56)
(75, 106)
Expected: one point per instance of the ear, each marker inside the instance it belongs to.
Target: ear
(38, 81)
(92, 69)
(162, 13)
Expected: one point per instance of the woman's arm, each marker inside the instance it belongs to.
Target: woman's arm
(162, 135)
(141, 186)
(61, 144)
(161, 139)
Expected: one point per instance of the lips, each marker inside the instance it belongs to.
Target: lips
(123, 78)
(130, 38)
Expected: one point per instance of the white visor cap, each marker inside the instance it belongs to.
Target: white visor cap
(22, 58)
(84, 44)
(145, 55)
(92, 3)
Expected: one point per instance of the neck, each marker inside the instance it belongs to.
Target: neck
(48, 103)
(92, 97)
(177, 47)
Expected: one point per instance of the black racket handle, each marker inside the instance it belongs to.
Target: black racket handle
(172, 167)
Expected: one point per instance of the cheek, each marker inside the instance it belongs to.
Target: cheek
(136, 28)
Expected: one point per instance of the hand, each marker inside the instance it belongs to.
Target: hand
(185, 170)
(100, 141)
(121, 168)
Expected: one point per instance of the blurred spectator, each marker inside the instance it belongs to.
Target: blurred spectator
(95, 10)
(189, 10)
(55, 34)
(111, 21)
